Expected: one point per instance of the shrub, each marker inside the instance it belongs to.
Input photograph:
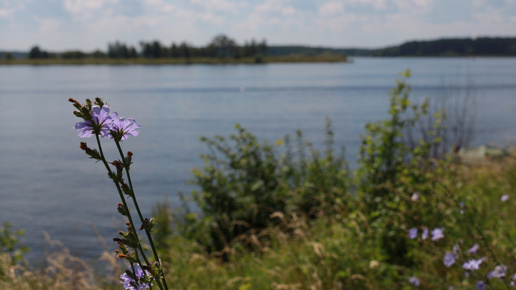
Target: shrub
(245, 181)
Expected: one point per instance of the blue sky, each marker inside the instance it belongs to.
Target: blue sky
(58, 25)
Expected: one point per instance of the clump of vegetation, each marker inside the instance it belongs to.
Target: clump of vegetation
(246, 184)
(288, 216)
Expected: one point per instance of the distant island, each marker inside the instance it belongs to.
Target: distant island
(222, 50)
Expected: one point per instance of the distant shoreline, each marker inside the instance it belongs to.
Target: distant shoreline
(176, 61)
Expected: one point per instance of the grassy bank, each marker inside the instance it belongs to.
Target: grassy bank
(174, 61)
(330, 252)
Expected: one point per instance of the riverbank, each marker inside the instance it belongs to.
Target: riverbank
(177, 61)
(317, 254)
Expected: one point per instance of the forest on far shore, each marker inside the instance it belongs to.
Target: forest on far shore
(223, 47)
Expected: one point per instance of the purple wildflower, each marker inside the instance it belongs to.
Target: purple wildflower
(121, 128)
(414, 281)
(473, 264)
(498, 272)
(437, 234)
(455, 250)
(424, 235)
(474, 249)
(412, 233)
(461, 204)
(101, 119)
(135, 284)
(481, 285)
(504, 198)
(415, 196)
(449, 259)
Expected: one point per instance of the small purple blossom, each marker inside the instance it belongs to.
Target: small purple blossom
(481, 285)
(474, 249)
(101, 119)
(473, 264)
(499, 272)
(437, 234)
(415, 196)
(504, 198)
(424, 235)
(122, 128)
(455, 250)
(412, 233)
(449, 259)
(462, 204)
(132, 284)
(414, 281)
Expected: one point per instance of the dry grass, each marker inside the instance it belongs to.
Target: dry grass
(60, 270)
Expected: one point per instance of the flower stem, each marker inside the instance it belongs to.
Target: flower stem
(125, 205)
(147, 232)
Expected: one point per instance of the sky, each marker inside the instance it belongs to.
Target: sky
(87, 25)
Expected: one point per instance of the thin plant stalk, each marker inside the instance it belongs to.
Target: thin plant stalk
(126, 208)
(147, 232)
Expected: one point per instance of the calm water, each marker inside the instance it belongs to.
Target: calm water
(48, 184)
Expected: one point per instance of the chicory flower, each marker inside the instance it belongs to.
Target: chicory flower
(100, 122)
(412, 233)
(121, 128)
(135, 284)
(414, 281)
(473, 264)
(449, 259)
(424, 235)
(474, 249)
(437, 234)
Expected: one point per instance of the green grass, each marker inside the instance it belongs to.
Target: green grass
(340, 251)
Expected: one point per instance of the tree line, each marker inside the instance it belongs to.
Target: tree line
(482, 46)
(221, 46)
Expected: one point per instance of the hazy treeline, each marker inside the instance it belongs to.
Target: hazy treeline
(483, 46)
(221, 46)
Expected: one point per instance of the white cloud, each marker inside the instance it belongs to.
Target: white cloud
(377, 4)
(84, 6)
(160, 5)
(5, 13)
(211, 18)
(331, 8)
(47, 25)
(217, 5)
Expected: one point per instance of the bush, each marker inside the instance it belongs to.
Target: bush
(245, 181)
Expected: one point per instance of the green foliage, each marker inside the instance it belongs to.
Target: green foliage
(244, 182)
(9, 243)
(390, 172)
(384, 157)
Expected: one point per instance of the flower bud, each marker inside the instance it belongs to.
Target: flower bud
(93, 153)
(125, 188)
(129, 157)
(122, 209)
(119, 169)
(148, 224)
(99, 102)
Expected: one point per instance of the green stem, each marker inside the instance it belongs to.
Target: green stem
(125, 205)
(147, 232)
